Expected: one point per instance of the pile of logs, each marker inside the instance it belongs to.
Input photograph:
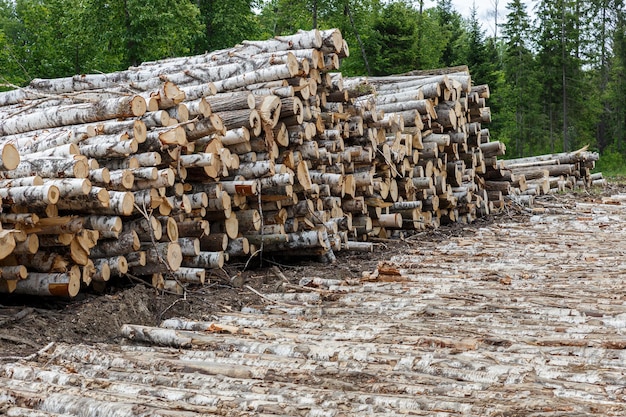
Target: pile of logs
(174, 167)
(521, 179)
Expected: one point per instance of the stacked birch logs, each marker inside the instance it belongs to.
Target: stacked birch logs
(171, 168)
(522, 179)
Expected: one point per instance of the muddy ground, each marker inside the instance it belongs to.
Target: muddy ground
(27, 324)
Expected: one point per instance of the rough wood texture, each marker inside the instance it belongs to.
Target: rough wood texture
(258, 145)
(526, 332)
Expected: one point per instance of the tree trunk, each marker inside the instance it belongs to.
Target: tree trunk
(127, 242)
(207, 260)
(47, 194)
(49, 168)
(47, 284)
(130, 106)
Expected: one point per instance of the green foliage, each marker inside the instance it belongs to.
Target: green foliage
(522, 115)
(140, 30)
(55, 38)
(431, 41)
(283, 17)
(613, 122)
(611, 162)
(10, 71)
(226, 23)
(355, 19)
(393, 44)
(453, 30)
(556, 83)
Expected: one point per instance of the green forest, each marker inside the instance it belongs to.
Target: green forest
(556, 69)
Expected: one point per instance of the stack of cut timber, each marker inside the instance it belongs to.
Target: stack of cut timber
(543, 174)
(431, 144)
(170, 180)
(262, 147)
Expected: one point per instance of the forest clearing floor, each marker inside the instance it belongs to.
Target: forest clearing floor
(29, 323)
(520, 313)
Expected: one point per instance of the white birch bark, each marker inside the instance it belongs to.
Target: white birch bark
(191, 275)
(126, 243)
(256, 169)
(49, 168)
(49, 284)
(69, 151)
(130, 106)
(146, 228)
(46, 194)
(13, 273)
(205, 127)
(147, 199)
(159, 139)
(102, 270)
(21, 182)
(276, 72)
(241, 187)
(195, 92)
(31, 142)
(145, 173)
(199, 159)
(148, 159)
(198, 108)
(121, 179)
(109, 150)
(189, 246)
(207, 260)
(236, 100)
(100, 176)
(137, 258)
(198, 200)
(164, 257)
(166, 178)
(402, 104)
(118, 265)
(103, 223)
(238, 247)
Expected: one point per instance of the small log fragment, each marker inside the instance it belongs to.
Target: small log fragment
(191, 275)
(207, 260)
(127, 242)
(50, 284)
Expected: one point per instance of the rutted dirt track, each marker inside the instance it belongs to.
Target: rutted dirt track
(510, 318)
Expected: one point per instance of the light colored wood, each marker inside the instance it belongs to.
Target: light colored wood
(129, 106)
(191, 275)
(127, 242)
(46, 194)
(9, 157)
(13, 273)
(207, 260)
(49, 167)
(48, 284)
(164, 256)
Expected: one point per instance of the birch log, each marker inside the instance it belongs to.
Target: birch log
(131, 106)
(46, 284)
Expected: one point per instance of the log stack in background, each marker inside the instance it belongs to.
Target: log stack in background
(171, 168)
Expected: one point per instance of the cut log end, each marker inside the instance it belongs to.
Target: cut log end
(10, 157)
(52, 195)
(138, 106)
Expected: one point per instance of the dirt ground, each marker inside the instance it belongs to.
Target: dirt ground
(27, 324)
